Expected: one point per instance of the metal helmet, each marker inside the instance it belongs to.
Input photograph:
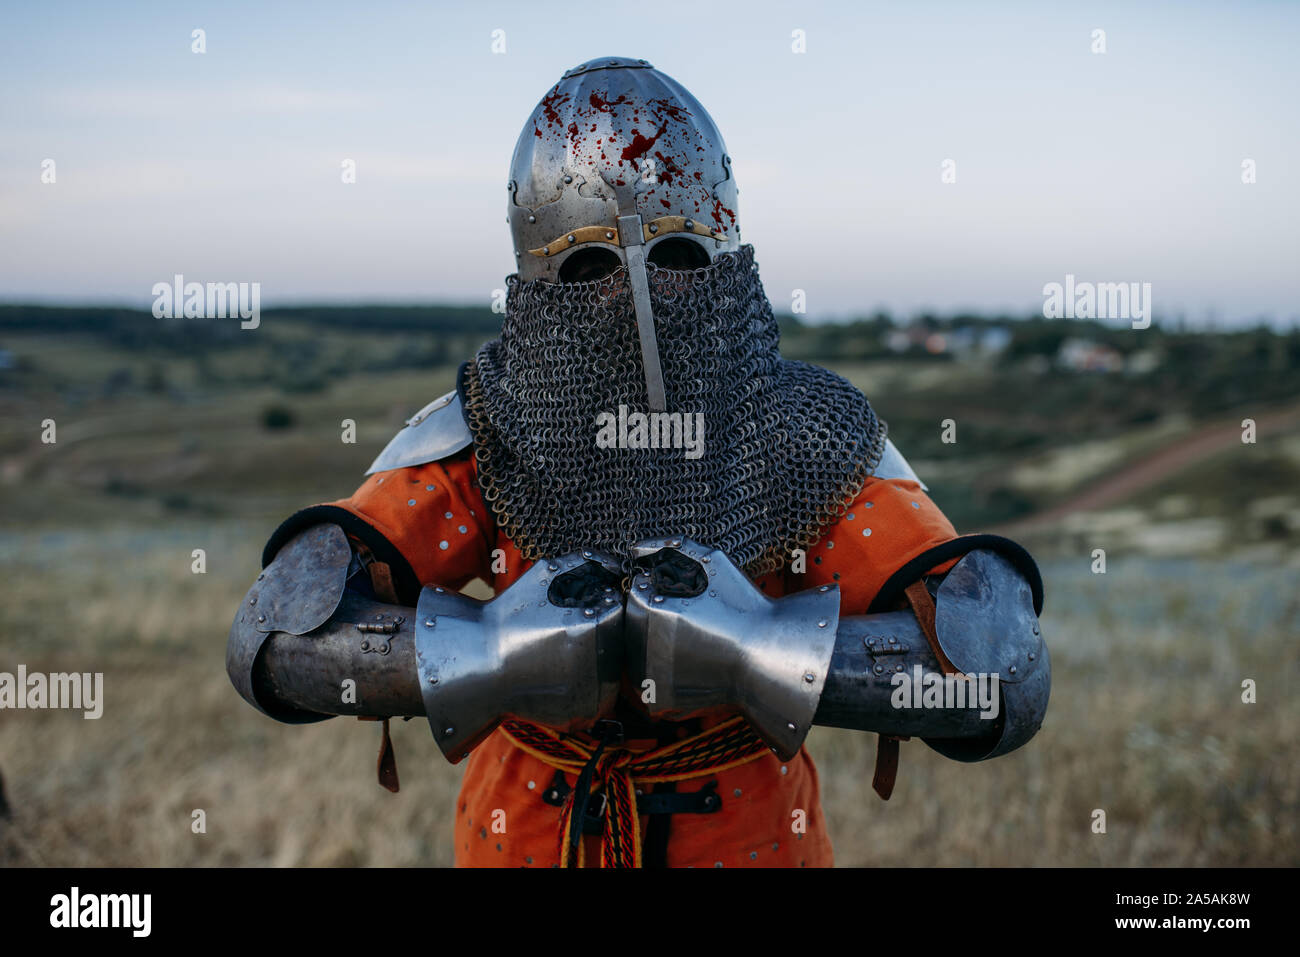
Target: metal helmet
(617, 160)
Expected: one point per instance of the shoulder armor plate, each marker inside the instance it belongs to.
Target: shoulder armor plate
(295, 594)
(894, 466)
(984, 617)
(435, 432)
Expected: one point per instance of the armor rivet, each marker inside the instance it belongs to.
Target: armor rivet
(642, 585)
(552, 568)
(433, 679)
(572, 238)
(753, 855)
(1032, 656)
(261, 618)
(253, 600)
(365, 646)
(586, 554)
(568, 179)
(438, 589)
(609, 235)
(705, 559)
(442, 545)
(532, 785)
(546, 250)
(446, 514)
(792, 727)
(589, 612)
(879, 669)
(914, 505)
(430, 488)
(410, 501)
(850, 516)
(676, 543)
(866, 532)
(898, 667)
(871, 642)
(1035, 629)
(830, 544)
(657, 599)
(824, 588)
(655, 229)
(609, 600)
(690, 224)
(784, 769)
(822, 623)
(1012, 669)
(809, 677)
(261, 576)
(448, 732)
(717, 863)
(712, 593)
(532, 219)
(429, 622)
(462, 529)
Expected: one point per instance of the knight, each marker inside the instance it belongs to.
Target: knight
(669, 618)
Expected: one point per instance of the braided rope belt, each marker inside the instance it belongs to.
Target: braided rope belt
(618, 772)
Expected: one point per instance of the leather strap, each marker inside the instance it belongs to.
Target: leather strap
(386, 765)
(923, 606)
(882, 782)
(918, 596)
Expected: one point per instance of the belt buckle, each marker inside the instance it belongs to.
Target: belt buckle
(610, 727)
(596, 812)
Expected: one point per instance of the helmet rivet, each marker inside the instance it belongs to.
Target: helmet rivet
(532, 219)
(654, 228)
(546, 250)
(658, 599)
(690, 224)
(568, 179)
(572, 238)
(609, 235)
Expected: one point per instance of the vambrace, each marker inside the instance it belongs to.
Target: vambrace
(788, 663)
(984, 625)
(547, 649)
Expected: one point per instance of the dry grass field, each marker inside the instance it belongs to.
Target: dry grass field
(96, 534)
(1146, 723)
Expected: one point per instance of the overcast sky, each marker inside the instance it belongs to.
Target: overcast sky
(225, 166)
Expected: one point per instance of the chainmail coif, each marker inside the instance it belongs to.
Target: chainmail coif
(786, 445)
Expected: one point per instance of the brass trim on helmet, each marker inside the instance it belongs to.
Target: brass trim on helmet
(663, 226)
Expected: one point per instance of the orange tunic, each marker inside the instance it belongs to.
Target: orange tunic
(430, 522)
